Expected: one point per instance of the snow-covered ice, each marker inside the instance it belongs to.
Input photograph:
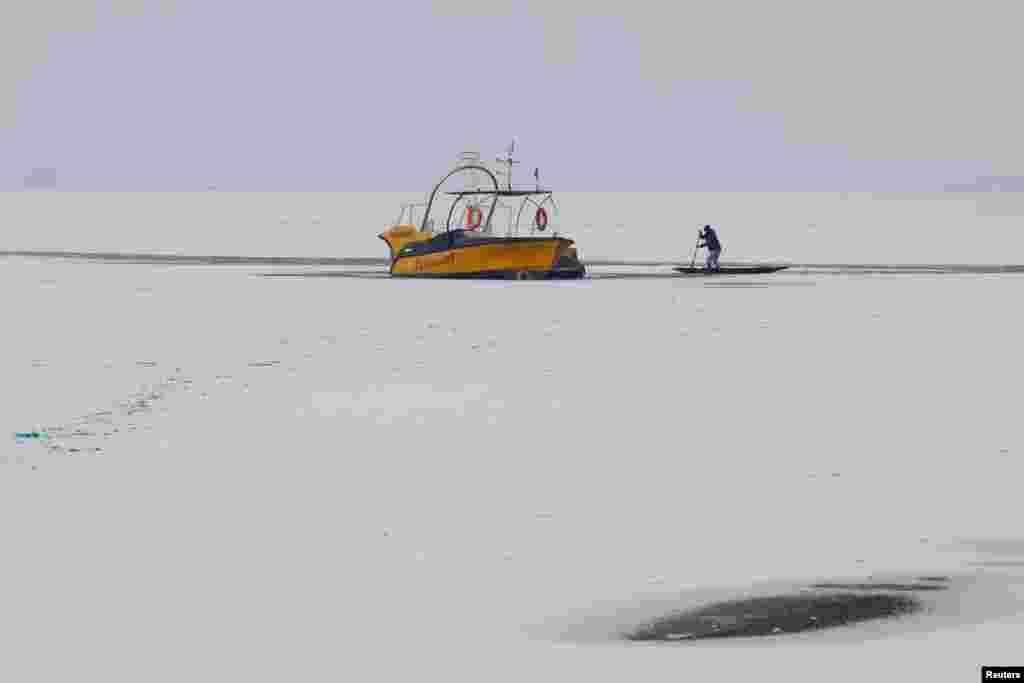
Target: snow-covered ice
(337, 478)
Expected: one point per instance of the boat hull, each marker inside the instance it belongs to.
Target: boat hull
(730, 270)
(460, 257)
(552, 274)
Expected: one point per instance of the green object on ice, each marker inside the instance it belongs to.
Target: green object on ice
(29, 435)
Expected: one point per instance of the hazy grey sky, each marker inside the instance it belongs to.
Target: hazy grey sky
(307, 95)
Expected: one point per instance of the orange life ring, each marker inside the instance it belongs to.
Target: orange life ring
(541, 218)
(474, 217)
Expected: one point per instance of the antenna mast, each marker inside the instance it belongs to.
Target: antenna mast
(509, 161)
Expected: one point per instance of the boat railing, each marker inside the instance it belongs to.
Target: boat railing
(513, 216)
(408, 211)
(519, 212)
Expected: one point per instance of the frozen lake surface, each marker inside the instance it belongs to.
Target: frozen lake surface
(323, 478)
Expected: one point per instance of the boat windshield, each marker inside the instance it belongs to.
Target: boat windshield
(442, 242)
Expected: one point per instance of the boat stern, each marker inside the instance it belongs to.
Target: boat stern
(567, 261)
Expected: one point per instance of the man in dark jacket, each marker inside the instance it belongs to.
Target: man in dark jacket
(709, 239)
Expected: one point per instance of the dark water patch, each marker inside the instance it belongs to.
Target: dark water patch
(613, 275)
(657, 275)
(911, 269)
(774, 615)
(847, 609)
(370, 261)
(881, 586)
(759, 285)
(185, 259)
(356, 274)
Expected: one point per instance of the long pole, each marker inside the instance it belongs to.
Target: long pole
(696, 245)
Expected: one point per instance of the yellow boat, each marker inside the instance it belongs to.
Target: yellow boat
(473, 250)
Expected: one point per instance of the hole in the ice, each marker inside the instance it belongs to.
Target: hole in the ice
(776, 615)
